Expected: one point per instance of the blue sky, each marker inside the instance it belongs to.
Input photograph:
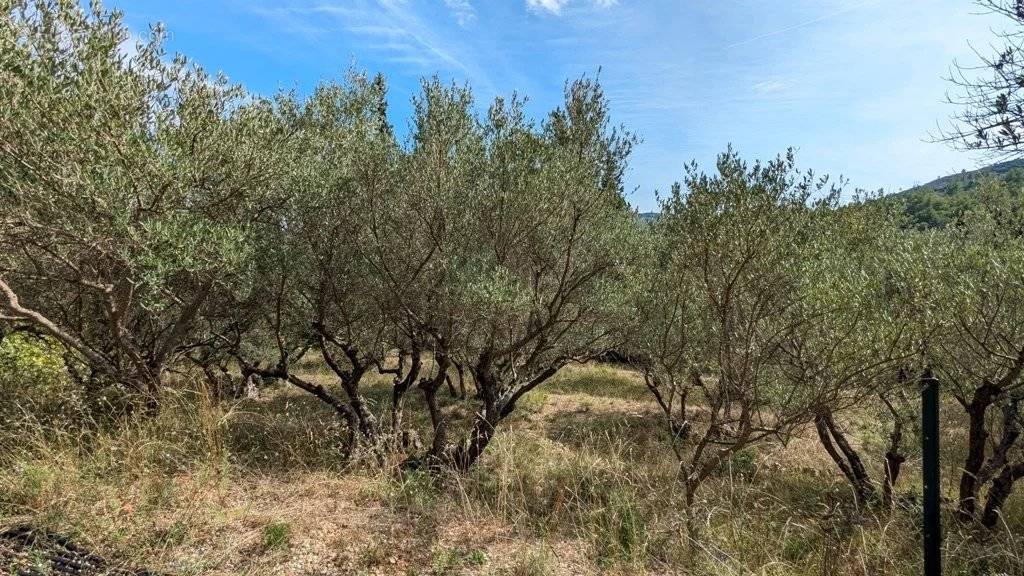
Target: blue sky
(854, 85)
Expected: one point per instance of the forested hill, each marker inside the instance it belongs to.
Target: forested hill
(941, 201)
(1000, 170)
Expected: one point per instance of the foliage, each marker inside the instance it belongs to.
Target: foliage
(277, 536)
(735, 290)
(944, 202)
(130, 185)
(34, 384)
(979, 348)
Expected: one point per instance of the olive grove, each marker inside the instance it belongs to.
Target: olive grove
(161, 226)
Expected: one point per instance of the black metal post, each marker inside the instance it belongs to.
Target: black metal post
(932, 529)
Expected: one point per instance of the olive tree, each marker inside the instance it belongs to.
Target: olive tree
(859, 349)
(317, 293)
(979, 352)
(509, 241)
(129, 185)
(723, 306)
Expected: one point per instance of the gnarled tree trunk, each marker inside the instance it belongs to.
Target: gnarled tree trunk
(977, 435)
(848, 460)
(1002, 486)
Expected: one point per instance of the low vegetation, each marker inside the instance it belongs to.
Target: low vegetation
(579, 484)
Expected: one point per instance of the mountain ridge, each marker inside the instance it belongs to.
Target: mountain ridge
(938, 202)
(999, 169)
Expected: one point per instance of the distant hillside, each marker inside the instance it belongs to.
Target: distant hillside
(966, 178)
(939, 202)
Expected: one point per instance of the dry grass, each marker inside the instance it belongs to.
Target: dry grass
(580, 483)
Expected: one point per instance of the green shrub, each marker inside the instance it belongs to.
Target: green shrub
(744, 462)
(277, 536)
(35, 385)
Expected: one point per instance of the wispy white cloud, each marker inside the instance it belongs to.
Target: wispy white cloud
(847, 6)
(391, 27)
(555, 6)
(463, 11)
(771, 86)
(420, 34)
(376, 30)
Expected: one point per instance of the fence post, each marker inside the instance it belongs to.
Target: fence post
(932, 529)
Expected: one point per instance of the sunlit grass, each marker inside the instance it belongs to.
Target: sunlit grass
(580, 482)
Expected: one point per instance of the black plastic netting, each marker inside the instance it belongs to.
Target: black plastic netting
(28, 552)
